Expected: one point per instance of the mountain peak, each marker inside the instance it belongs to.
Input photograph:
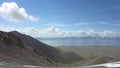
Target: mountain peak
(10, 39)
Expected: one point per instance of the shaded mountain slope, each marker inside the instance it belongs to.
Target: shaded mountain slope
(39, 47)
(13, 49)
(22, 49)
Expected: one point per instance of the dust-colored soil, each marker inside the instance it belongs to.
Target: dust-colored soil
(94, 54)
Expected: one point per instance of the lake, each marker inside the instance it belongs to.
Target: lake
(80, 41)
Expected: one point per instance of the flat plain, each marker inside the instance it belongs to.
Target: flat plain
(94, 54)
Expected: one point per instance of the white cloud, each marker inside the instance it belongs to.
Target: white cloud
(12, 12)
(109, 34)
(57, 32)
(52, 32)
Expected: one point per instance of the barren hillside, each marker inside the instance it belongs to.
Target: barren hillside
(22, 49)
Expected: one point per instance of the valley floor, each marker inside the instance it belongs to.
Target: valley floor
(94, 54)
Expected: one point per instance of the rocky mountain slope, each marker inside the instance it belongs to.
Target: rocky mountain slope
(18, 48)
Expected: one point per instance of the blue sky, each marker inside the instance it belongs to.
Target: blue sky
(62, 18)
